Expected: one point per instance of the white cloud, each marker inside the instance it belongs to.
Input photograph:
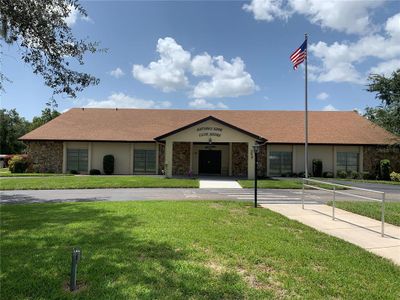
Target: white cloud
(322, 96)
(386, 68)
(346, 16)
(267, 10)
(393, 25)
(117, 73)
(168, 73)
(227, 79)
(339, 61)
(203, 104)
(74, 15)
(329, 107)
(121, 100)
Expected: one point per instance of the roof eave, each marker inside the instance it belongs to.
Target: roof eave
(257, 137)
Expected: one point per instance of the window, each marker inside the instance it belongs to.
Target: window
(145, 161)
(280, 163)
(347, 161)
(77, 159)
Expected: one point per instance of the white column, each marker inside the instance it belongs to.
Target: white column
(131, 150)
(334, 161)
(157, 162)
(250, 160)
(230, 160)
(64, 164)
(294, 159)
(168, 158)
(268, 151)
(89, 156)
(191, 158)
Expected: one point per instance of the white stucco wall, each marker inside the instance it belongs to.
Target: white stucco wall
(326, 153)
(121, 153)
(201, 133)
(225, 157)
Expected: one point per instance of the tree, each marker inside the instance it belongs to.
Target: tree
(46, 42)
(387, 90)
(48, 114)
(12, 127)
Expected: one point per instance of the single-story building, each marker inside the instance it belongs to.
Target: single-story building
(209, 142)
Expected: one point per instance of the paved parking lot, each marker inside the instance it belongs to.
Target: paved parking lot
(34, 196)
(264, 195)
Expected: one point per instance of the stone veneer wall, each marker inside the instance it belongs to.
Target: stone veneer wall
(47, 154)
(374, 154)
(262, 161)
(239, 159)
(161, 158)
(181, 158)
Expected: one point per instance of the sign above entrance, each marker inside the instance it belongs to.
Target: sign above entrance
(209, 131)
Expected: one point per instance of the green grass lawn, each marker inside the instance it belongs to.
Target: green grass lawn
(4, 172)
(181, 250)
(367, 181)
(372, 210)
(94, 182)
(274, 183)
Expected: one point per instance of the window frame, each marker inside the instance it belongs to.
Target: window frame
(347, 167)
(147, 160)
(82, 159)
(282, 167)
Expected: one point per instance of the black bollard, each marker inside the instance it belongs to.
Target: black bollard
(76, 256)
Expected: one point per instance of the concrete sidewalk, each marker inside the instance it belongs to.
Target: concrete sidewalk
(216, 183)
(359, 230)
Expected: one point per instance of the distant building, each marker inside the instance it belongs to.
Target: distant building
(182, 142)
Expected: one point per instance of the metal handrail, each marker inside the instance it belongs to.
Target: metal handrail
(334, 191)
(342, 185)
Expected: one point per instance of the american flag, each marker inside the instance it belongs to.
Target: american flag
(299, 55)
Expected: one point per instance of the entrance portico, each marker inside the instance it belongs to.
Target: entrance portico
(209, 147)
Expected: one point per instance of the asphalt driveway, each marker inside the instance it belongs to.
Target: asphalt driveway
(133, 194)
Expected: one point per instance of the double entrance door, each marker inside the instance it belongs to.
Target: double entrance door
(210, 162)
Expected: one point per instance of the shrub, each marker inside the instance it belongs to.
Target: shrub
(74, 172)
(385, 169)
(341, 174)
(7, 160)
(355, 175)
(18, 164)
(94, 172)
(327, 174)
(302, 174)
(36, 168)
(108, 164)
(366, 175)
(317, 167)
(395, 176)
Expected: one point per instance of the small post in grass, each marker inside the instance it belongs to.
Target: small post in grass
(383, 215)
(302, 194)
(256, 148)
(333, 203)
(76, 256)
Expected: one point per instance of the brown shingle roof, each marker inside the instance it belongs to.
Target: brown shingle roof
(96, 124)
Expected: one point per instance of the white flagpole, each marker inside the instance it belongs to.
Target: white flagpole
(306, 115)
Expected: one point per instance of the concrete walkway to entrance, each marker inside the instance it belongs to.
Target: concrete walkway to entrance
(359, 230)
(219, 183)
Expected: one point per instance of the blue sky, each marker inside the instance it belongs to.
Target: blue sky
(222, 55)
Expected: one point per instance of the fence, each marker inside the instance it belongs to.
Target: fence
(334, 191)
